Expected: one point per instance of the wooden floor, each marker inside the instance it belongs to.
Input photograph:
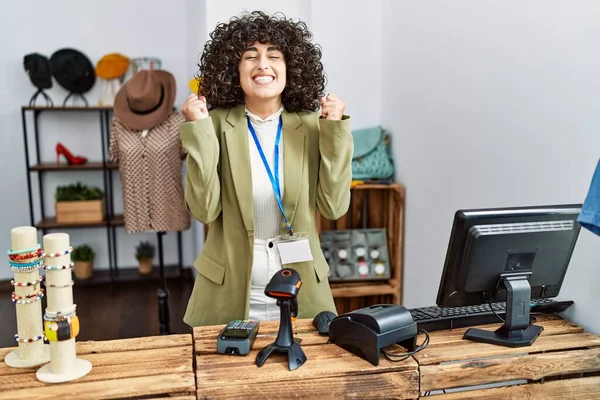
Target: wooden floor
(132, 311)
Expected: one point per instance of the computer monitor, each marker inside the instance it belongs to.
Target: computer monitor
(508, 255)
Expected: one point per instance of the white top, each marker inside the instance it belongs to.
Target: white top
(267, 215)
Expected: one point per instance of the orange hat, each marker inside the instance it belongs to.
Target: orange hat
(112, 66)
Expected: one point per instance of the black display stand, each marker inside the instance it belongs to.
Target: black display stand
(115, 274)
(75, 97)
(285, 342)
(517, 330)
(163, 292)
(41, 92)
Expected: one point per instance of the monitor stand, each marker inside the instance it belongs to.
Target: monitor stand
(517, 330)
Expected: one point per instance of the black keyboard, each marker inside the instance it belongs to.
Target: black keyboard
(437, 318)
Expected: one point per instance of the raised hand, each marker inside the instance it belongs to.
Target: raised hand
(332, 107)
(195, 108)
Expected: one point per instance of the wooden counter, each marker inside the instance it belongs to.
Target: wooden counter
(329, 372)
(563, 363)
(129, 368)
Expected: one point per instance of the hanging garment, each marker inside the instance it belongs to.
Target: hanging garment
(589, 217)
(151, 171)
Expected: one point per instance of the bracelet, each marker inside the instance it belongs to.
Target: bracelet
(26, 267)
(61, 315)
(25, 264)
(30, 268)
(32, 298)
(39, 337)
(31, 250)
(64, 253)
(23, 284)
(26, 256)
(62, 329)
(58, 267)
(61, 286)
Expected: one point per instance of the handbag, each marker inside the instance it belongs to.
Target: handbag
(371, 158)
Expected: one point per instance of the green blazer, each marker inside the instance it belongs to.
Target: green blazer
(317, 156)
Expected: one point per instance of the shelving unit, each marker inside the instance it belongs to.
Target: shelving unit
(372, 206)
(114, 274)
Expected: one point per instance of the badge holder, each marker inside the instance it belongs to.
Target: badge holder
(294, 248)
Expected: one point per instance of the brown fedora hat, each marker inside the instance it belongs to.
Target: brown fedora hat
(146, 99)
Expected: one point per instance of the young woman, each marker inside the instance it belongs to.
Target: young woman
(265, 151)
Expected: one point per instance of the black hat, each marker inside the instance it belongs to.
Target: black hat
(73, 70)
(39, 70)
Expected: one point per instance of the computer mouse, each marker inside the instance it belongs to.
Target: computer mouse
(322, 320)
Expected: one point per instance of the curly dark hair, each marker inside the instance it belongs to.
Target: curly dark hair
(219, 62)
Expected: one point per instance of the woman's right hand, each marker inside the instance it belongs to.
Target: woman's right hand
(194, 108)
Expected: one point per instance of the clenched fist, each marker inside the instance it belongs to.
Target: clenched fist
(332, 107)
(194, 108)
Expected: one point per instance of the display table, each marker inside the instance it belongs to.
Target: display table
(329, 372)
(563, 363)
(128, 368)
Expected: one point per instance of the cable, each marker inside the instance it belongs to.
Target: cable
(402, 357)
(494, 311)
(487, 300)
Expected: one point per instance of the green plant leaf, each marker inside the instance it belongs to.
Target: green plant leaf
(83, 253)
(78, 192)
(144, 250)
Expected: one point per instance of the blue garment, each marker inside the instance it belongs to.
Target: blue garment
(589, 217)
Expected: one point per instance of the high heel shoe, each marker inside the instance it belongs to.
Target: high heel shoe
(71, 159)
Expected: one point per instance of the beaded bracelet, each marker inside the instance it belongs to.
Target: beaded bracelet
(26, 256)
(39, 337)
(59, 267)
(61, 286)
(23, 284)
(27, 299)
(64, 253)
(31, 250)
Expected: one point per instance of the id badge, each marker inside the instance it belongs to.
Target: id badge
(294, 248)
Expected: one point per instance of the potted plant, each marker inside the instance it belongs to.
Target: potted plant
(79, 203)
(144, 253)
(83, 260)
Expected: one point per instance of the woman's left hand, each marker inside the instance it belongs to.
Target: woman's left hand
(332, 107)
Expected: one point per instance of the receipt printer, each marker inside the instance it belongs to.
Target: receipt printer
(365, 332)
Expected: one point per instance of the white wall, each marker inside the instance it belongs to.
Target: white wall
(492, 104)
(131, 27)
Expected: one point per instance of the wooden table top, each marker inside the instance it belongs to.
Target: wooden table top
(563, 350)
(329, 372)
(128, 368)
(563, 363)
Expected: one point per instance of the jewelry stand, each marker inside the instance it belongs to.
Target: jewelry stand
(61, 321)
(285, 342)
(25, 259)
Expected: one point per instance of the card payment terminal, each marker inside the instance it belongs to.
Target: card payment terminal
(237, 337)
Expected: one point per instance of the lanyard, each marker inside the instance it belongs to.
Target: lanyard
(274, 180)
